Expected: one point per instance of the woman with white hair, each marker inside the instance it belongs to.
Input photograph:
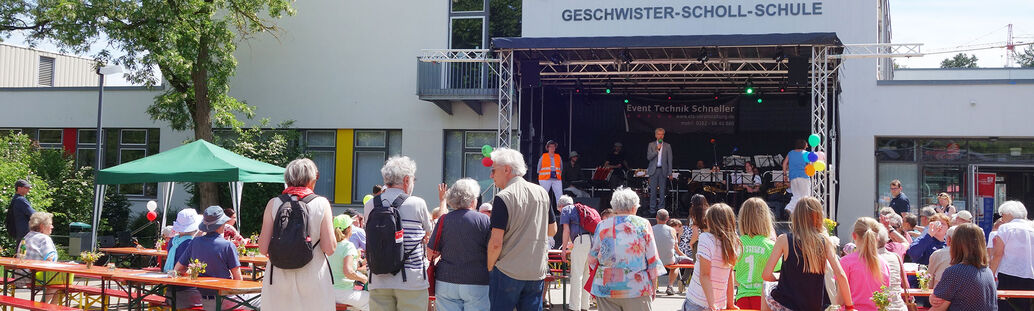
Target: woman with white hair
(624, 257)
(308, 287)
(37, 245)
(1016, 238)
(461, 240)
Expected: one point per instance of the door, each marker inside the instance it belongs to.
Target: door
(993, 184)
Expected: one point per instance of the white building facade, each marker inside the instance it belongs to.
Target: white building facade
(347, 74)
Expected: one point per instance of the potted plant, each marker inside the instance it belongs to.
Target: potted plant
(923, 276)
(89, 258)
(196, 268)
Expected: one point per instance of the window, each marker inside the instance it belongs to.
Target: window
(505, 18)
(372, 148)
(120, 146)
(463, 155)
(906, 173)
(46, 71)
(320, 144)
(468, 5)
(468, 33)
(895, 149)
(49, 138)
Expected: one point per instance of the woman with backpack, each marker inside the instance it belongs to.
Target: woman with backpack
(291, 281)
(577, 241)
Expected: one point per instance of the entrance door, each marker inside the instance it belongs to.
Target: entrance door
(993, 184)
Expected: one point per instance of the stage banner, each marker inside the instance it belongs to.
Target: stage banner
(681, 117)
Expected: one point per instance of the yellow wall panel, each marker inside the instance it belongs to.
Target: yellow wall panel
(343, 167)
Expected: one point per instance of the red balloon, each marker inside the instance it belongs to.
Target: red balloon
(487, 162)
(151, 215)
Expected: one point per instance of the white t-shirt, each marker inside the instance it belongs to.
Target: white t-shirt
(1018, 236)
(710, 249)
(416, 223)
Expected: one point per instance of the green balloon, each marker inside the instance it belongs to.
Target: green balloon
(814, 140)
(486, 150)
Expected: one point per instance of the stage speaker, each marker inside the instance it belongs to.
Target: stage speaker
(593, 202)
(798, 71)
(530, 73)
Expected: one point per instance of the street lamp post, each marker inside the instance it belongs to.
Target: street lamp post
(101, 72)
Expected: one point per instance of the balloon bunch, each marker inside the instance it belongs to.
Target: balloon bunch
(816, 160)
(151, 214)
(486, 151)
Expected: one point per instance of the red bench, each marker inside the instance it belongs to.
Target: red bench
(32, 305)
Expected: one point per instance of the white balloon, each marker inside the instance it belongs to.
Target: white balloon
(152, 205)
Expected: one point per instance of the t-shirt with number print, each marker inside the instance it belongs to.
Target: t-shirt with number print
(756, 250)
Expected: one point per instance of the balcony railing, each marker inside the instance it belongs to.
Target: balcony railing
(457, 81)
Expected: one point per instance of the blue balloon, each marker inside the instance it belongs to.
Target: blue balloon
(812, 157)
(805, 156)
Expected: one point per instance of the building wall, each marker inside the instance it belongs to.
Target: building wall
(19, 67)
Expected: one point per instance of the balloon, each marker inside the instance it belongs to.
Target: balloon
(487, 162)
(152, 205)
(151, 215)
(814, 140)
(804, 154)
(809, 169)
(486, 150)
(822, 155)
(819, 165)
(812, 157)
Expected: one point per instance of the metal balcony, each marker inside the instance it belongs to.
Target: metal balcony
(446, 83)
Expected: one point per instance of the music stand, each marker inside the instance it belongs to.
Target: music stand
(704, 175)
(777, 159)
(764, 161)
(777, 175)
(734, 160)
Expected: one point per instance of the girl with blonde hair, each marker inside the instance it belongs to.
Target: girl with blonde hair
(717, 251)
(758, 238)
(804, 252)
(864, 268)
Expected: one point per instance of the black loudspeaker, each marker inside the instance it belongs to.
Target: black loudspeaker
(592, 202)
(798, 71)
(530, 73)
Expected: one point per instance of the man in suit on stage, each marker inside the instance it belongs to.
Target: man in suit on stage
(658, 168)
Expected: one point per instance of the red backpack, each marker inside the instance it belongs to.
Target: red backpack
(588, 217)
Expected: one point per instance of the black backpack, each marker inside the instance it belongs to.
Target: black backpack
(9, 222)
(385, 251)
(290, 246)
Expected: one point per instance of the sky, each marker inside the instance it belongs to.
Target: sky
(945, 25)
(940, 25)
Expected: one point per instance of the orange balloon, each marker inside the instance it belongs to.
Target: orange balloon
(809, 169)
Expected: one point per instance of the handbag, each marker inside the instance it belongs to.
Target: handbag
(434, 263)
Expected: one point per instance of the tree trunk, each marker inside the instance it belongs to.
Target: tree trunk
(203, 114)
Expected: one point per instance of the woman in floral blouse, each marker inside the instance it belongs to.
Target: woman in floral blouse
(624, 257)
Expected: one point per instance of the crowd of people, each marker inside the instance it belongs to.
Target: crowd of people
(399, 252)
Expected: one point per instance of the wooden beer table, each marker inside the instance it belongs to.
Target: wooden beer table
(149, 283)
(253, 261)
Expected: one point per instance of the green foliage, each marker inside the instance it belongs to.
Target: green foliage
(1026, 58)
(278, 146)
(960, 61)
(115, 215)
(881, 298)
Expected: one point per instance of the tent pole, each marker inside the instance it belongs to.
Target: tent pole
(98, 207)
(166, 198)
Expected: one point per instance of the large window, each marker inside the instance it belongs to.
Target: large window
(468, 20)
(321, 145)
(372, 148)
(928, 166)
(120, 146)
(463, 155)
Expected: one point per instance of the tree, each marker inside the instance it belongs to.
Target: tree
(190, 41)
(960, 61)
(1026, 59)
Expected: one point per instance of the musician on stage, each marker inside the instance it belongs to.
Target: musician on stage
(551, 171)
(572, 178)
(793, 173)
(616, 162)
(658, 168)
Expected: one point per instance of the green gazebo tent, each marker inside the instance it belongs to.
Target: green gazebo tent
(199, 161)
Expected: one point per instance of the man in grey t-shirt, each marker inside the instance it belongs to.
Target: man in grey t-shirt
(389, 292)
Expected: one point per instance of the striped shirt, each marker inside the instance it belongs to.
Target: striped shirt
(416, 222)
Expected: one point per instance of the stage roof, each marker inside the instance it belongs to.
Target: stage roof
(775, 39)
(672, 65)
